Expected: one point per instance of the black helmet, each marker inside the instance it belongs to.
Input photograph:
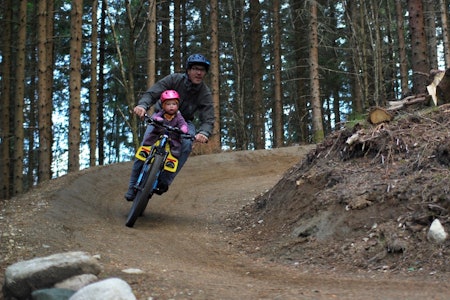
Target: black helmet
(197, 59)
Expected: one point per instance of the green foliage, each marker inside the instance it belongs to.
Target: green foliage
(355, 118)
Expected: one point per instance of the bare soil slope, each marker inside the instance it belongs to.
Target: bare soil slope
(327, 222)
(363, 201)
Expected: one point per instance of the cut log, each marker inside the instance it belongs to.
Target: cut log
(378, 115)
(437, 76)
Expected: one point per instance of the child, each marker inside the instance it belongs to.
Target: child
(169, 115)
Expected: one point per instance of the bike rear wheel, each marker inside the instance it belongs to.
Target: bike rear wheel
(143, 195)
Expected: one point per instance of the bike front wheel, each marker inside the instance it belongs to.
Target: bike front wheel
(143, 195)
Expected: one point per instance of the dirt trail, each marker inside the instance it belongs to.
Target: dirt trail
(182, 243)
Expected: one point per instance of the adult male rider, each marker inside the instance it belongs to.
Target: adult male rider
(195, 99)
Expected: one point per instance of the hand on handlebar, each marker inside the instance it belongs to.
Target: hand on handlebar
(140, 111)
(184, 129)
(201, 138)
(157, 120)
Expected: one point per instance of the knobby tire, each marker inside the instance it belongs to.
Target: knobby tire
(143, 196)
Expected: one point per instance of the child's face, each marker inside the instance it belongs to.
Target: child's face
(171, 106)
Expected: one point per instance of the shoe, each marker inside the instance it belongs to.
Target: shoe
(130, 194)
(161, 189)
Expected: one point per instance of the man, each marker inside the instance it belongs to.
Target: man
(195, 98)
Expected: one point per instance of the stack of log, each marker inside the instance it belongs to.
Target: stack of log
(438, 94)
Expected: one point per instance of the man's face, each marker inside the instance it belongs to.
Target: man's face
(196, 74)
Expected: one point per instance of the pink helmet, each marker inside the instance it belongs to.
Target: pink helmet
(169, 94)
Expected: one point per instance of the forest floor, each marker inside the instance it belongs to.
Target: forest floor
(337, 220)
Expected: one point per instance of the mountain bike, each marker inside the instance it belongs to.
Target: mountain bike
(157, 158)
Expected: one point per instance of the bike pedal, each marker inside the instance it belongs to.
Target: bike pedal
(170, 164)
(143, 154)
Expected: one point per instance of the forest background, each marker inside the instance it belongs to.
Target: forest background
(283, 72)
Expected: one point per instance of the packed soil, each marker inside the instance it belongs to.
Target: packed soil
(344, 219)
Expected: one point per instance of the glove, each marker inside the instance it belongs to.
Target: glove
(184, 128)
(158, 119)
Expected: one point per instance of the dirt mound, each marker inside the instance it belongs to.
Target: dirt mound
(363, 200)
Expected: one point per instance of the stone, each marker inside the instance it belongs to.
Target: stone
(437, 233)
(111, 289)
(77, 282)
(26, 276)
(52, 294)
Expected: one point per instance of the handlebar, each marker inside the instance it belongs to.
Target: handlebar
(169, 128)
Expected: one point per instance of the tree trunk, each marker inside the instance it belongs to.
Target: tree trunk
(19, 100)
(164, 45)
(32, 132)
(44, 98)
(316, 103)
(93, 87)
(445, 32)
(76, 14)
(420, 63)
(301, 120)
(50, 61)
(430, 30)
(277, 115)
(50, 52)
(127, 70)
(357, 65)
(214, 74)
(257, 93)
(5, 107)
(101, 86)
(235, 10)
(403, 61)
(177, 36)
(376, 44)
(363, 52)
(151, 35)
(390, 69)
(183, 32)
(443, 89)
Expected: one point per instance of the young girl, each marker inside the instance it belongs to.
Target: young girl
(169, 115)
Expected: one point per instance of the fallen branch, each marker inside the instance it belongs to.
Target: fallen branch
(410, 100)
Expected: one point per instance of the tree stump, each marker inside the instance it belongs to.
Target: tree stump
(443, 89)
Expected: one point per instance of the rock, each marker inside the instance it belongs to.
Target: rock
(77, 282)
(437, 233)
(108, 289)
(396, 245)
(52, 294)
(23, 277)
(360, 202)
(133, 271)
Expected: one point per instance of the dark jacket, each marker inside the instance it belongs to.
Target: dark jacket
(194, 98)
